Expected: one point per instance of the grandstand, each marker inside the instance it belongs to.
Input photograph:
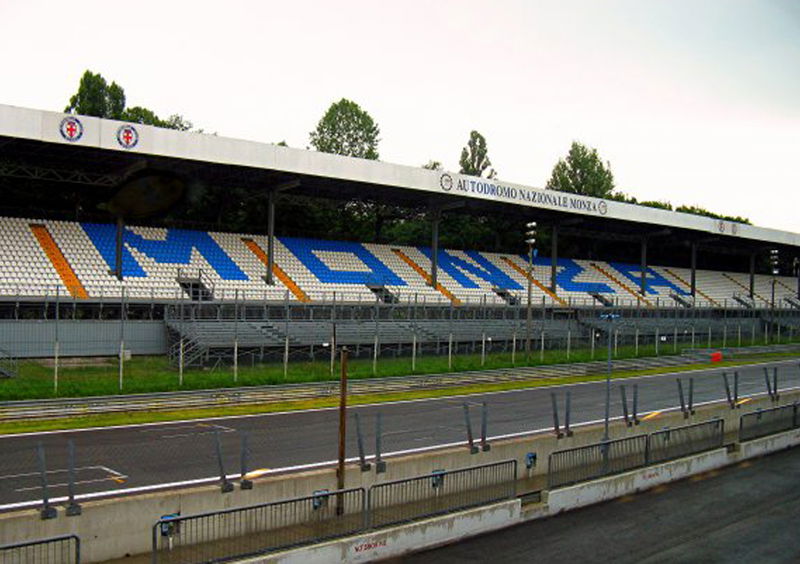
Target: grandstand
(274, 294)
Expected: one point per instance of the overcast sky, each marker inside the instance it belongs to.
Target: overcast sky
(694, 102)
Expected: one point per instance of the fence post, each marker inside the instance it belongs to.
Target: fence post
(380, 464)
(691, 396)
(736, 389)
(244, 483)
(727, 390)
(56, 344)
(472, 448)
(624, 405)
(775, 382)
(48, 511)
(414, 351)
(569, 342)
(541, 353)
(485, 446)
(567, 412)
(635, 404)
(121, 338)
(514, 348)
(73, 508)
(225, 485)
(769, 386)
(360, 442)
(556, 426)
(683, 403)
(636, 342)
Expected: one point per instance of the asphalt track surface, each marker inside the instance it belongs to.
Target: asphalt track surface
(744, 513)
(155, 455)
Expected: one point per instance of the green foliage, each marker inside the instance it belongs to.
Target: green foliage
(582, 172)
(433, 165)
(95, 97)
(474, 159)
(346, 129)
(696, 210)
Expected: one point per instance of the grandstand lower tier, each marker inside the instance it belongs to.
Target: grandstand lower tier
(71, 260)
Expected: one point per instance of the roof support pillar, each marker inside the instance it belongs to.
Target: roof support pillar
(694, 269)
(752, 275)
(436, 217)
(643, 282)
(270, 236)
(118, 250)
(554, 259)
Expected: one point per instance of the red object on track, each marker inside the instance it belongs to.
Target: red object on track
(716, 357)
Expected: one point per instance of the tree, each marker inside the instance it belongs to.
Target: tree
(433, 165)
(474, 159)
(346, 129)
(582, 172)
(95, 97)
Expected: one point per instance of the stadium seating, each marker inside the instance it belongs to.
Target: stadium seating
(42, 257)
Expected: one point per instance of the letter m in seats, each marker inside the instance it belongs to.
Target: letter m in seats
(177, 248)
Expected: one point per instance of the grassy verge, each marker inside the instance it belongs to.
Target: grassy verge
(112, 419)
(153, 374)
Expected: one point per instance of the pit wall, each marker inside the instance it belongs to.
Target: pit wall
(439, 531)
(120, 527)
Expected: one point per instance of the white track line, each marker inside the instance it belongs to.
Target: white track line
(388, 403)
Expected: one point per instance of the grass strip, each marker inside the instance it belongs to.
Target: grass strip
(132, 418)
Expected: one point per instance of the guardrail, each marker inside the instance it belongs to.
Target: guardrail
(682, 441)
(198, 399)
(581, 464)
(442, 491)
(232, 534)
(54, 550)
(248, 531)
(766, 422)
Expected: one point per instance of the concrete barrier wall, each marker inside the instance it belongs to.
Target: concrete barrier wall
(114, 528)
(430, 533)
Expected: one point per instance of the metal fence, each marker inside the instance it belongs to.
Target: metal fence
(593, 461)
(442, 491)
(236, 533)
(585, 463)
(55, 550)
(768, 421)
(683, 441)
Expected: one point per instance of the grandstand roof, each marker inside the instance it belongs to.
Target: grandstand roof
(95, 151)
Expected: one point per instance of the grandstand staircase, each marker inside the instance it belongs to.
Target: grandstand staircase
(383, 294)
(507, 296)
(744, 300)
(601, 299)
(793, 301)
(621, 284)
(746, 289)
(199, 288)
(697, 290)
(533, 280)
(681, 300)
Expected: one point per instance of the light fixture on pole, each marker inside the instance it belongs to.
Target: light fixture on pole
(774, 261)
(530, 240)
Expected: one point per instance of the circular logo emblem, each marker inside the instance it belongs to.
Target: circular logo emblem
(446, 182)
(721, 226)
(602, 207)
(127, 136)
(71, 128)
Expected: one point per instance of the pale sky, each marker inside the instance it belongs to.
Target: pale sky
(694, 102)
